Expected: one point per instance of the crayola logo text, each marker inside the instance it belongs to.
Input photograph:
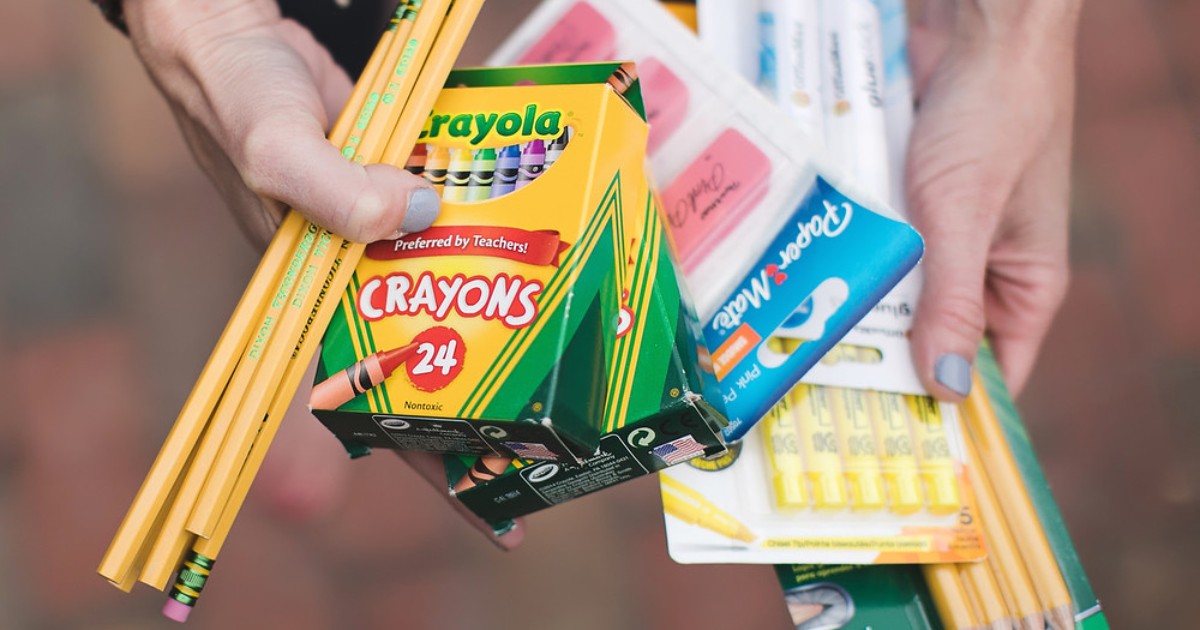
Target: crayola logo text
(477, 126)
(510, 299)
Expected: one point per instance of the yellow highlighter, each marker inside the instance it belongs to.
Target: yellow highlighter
(856, 441)
(934, 463)
(819, 446)
(893, 441)
(691, 507)
(781, 441)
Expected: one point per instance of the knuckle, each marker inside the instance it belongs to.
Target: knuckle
(258, 152)
(961, 314)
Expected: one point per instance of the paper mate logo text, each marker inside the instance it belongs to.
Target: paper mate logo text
(510, 299)
(475, 127)
(754, 295)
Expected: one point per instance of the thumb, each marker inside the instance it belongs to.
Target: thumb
(291, 161)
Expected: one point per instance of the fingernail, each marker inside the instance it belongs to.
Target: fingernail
(424, 204)
(953, 371)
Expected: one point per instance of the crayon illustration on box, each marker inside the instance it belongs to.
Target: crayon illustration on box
(490, 333)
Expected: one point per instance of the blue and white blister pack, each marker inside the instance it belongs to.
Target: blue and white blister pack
(824, 269)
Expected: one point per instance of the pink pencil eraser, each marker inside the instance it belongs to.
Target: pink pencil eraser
(176, 611)
(715, 191)
(666, 100)
(582, 34)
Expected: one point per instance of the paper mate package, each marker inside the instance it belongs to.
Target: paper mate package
(840, 70)
(495, 330)
(656, 414)
(774, 239)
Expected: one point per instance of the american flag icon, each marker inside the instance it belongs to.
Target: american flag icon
(678, 450)
(531, 450)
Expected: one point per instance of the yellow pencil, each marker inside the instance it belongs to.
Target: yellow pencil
(1019, 512)
(173, 540)
(154, 495)
(949, 597)
(129, 548)
(978, 580)
(251, 408)
(445, 50)
(1003, 556)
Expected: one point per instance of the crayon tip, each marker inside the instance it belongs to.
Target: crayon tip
(176, 611)
(537, 146)
(389, 360)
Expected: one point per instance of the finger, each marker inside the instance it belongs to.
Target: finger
(1029, 273)
(430, 467)
(332, 83)
(957, 221)
(287, 157)
(258, 217)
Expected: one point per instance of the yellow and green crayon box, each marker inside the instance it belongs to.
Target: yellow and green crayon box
(510, 305)
(656, 414)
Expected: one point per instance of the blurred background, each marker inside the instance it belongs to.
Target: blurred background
(120, 266)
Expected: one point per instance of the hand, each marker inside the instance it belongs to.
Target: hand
(254, 94)
(988, 181)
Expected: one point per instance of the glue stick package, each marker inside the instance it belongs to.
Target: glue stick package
(773, 236)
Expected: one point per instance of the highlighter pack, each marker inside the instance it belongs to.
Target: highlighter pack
(830, 476)
(503, 329)
(906, 597)
(774, 238)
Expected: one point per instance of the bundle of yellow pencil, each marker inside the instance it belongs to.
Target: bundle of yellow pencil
(181, 515)
(1020, 584)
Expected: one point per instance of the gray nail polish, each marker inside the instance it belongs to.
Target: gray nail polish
(423, 207)
(953, 371)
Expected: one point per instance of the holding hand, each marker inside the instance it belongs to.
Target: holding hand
(254, 94)
(988, 181)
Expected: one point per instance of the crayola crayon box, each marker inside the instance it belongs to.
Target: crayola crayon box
(655, 414)
(501, 329)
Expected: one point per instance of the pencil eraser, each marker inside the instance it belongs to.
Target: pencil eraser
(176, 611)
(582, 34)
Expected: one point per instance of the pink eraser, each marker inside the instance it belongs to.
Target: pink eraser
(716, 190)
(176, 611)
(666, 99)
(582, 34)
